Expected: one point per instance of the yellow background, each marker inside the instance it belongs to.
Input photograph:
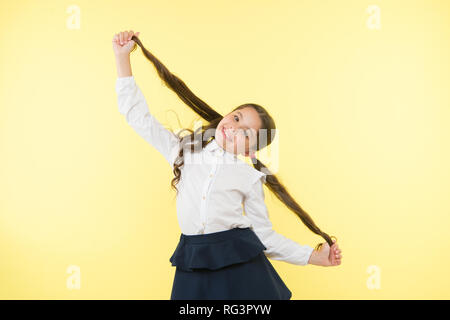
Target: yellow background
(363, 116)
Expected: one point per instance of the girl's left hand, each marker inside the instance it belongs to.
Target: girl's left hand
(327, 256)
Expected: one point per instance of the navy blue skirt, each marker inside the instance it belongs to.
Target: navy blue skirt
(225, 265)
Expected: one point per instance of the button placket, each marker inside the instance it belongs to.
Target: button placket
(205, 192)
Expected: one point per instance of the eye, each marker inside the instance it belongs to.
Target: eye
(235, 116)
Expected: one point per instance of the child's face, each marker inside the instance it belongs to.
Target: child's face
(237, 131)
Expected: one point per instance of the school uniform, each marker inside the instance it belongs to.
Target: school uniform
(226, 234)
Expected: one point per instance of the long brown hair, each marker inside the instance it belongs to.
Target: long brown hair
(204, 134)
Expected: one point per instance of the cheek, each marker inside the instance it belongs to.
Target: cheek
(226, 122)
(221, 124)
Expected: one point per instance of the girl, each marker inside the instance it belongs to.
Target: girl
(222, 254)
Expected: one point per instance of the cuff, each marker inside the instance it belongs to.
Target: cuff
(309, 250)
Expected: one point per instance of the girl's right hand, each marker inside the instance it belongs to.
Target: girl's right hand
(122, 43)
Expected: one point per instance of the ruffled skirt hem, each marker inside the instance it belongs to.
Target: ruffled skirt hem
(225, 265)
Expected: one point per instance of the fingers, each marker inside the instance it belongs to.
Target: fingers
(133, 34)
(124, 36)
(337, 253)
(335, 261)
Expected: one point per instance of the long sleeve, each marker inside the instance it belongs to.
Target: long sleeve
(133, 106)
(278, 246)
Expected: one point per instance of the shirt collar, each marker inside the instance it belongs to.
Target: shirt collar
(218, 151)
(214, 148)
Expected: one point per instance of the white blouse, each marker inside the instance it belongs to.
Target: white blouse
(217, 191)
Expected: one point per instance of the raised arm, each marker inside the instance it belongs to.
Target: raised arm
(133, 105)
(122, 47)
(123, 66)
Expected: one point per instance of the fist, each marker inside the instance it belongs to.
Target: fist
(122, 43)
(327, 256)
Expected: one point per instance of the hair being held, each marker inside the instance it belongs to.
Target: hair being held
(204, 134)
